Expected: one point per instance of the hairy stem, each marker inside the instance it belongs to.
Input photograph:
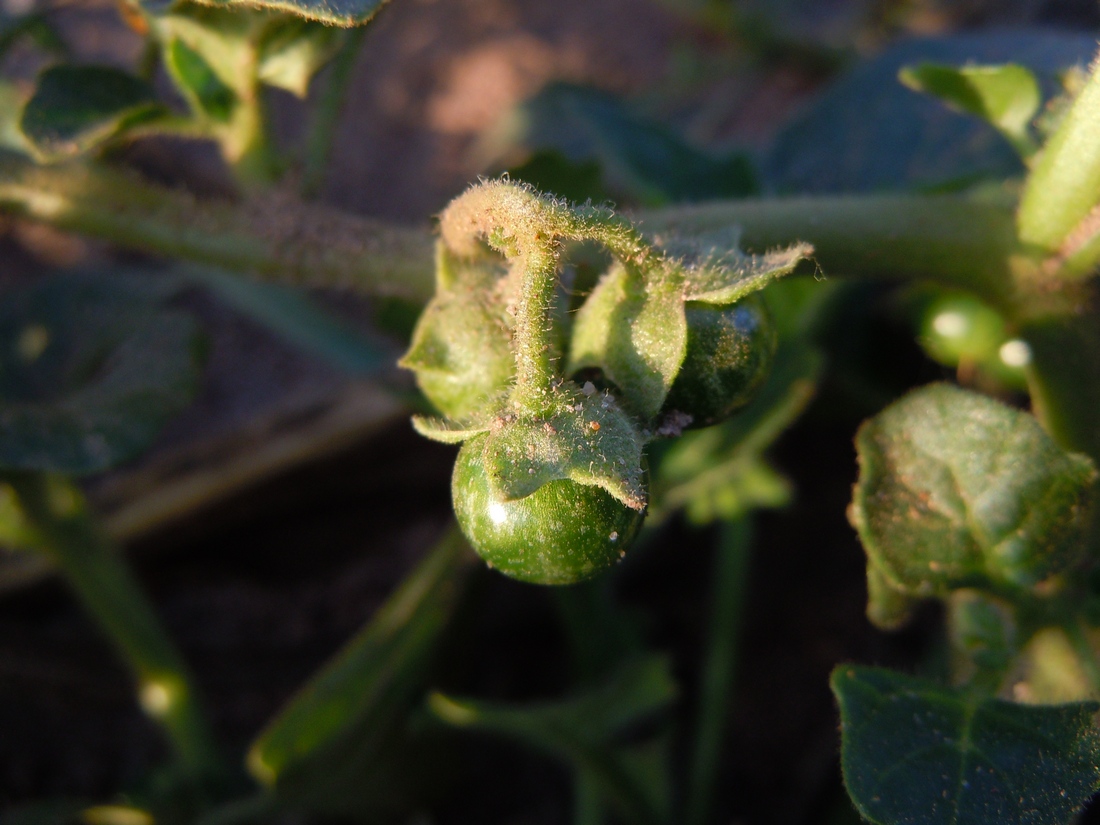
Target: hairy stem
(950, 239)
(276, 237)
(1064, 185)
(533, 391)
(104, 584)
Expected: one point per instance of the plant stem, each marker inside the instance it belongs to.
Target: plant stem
(533, 391)
(1064, 184)
(731, 564)
(274, 237)
(588, 802)
(105, 585)
(323, 128)
(951, 239)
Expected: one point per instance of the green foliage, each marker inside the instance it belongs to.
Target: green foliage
(461, 348)
(598, 146)
(1007, 96)
(918, 753)
(75, 108)
(582, 730)
(90, 371)
(331, 12)
(956, 489)
(344, 741)
(867, 133)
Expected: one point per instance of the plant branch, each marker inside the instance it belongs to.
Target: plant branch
(101, 580)
(950, 239)
(731, 563)
(275, 237)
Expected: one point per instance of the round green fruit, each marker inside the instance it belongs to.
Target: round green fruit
(564, 532)
(729, 352)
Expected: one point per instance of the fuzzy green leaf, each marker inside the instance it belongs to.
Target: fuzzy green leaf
(634, 329)
(332, 12)
(89, 373)
(1008, 95)
(917, 753)
(717, 272)
(219, 41)
(76, 108)
(295, 51)
(589, 440)
(957, 489)
(205, 92)
(445, 432)
(461, 349)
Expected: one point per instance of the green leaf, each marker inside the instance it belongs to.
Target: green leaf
(205, 92)
(957, 489)
(90, 371)
(1007, 96)
(868, 133)
(344, 727)
(76, 108)
(294, 316)
(295, 51)
(717, 272)
(461, 349)
(333, 12)
(719, 473)
(550, 171)
(581, 730)
(224, 40)
(446, 432)
(917, 753)
(633, 328)
(639, 159)
(35, 27)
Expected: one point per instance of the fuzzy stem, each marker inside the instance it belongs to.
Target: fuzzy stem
(1064, 184)
(950, 239)
(533, 391)
(275, 237)
(247, 143)
(105, 585)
